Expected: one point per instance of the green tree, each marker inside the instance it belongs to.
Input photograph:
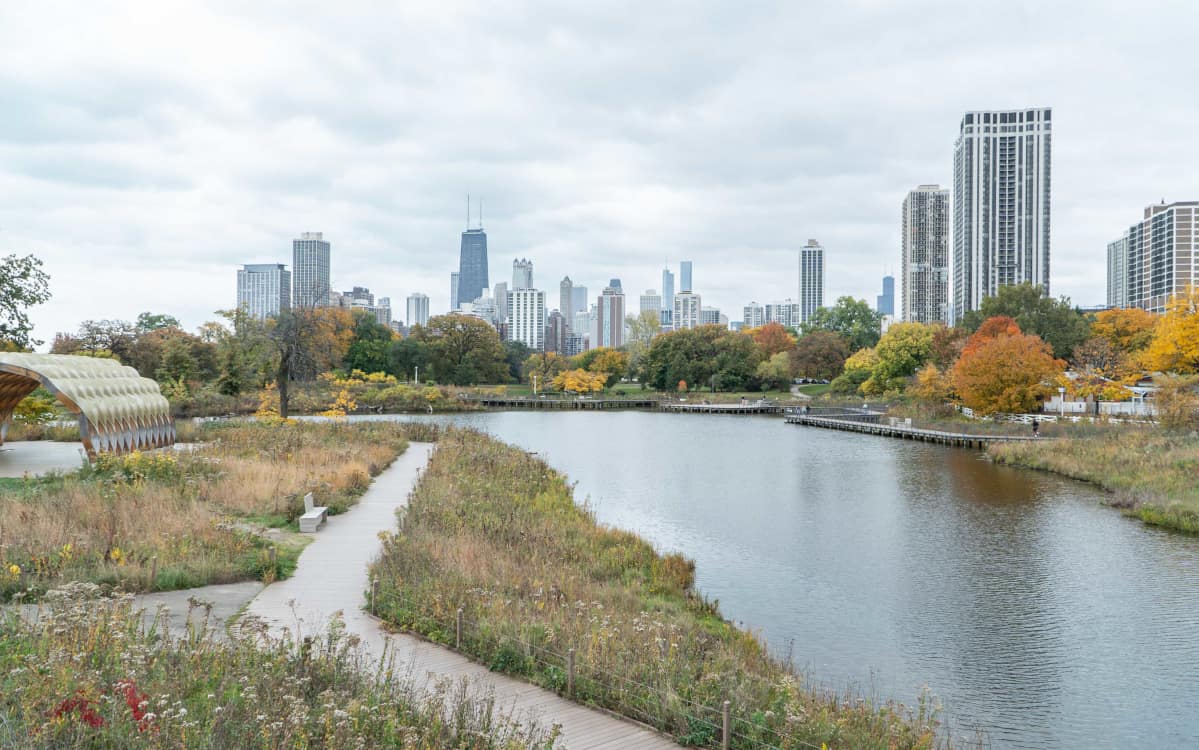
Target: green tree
(147, 322)
(407, 356)
(858, 369)
(23, 284)
(515, 354)
(902, 350)
(177, 362)
(464, 350)
(704, 357)
(1056, 322)
(851, 319)
(775, 373)
(820, 354)
(369, 348)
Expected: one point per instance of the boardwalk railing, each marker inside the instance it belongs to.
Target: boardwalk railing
(960, 439)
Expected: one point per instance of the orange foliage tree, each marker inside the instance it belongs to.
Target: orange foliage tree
(1127, 329)
(772, 338)
(1004, 370)
(1175, 344)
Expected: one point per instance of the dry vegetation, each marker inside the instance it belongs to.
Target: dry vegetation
(1151, 472)
(496, 532)
(178, 519)
(87, 674)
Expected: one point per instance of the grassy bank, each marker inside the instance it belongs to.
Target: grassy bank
(1151, 473)
(496, 532)
(178, 519)
(87, 675)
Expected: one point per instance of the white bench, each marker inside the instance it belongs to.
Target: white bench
(314, 516)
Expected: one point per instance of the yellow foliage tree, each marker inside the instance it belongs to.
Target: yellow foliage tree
(343, 404)
(1128, 329)
(931, 386)
(1175, 344)
(580, 381)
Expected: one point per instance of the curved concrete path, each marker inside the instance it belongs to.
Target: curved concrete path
(332, 577)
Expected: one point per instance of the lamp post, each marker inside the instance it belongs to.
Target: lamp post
(1061, 400)
(534, 384)
(416, 374)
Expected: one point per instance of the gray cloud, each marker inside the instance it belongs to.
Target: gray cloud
(147, 150)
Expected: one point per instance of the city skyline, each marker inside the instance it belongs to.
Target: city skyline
(108, 157)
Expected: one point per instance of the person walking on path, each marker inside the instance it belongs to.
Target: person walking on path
(1036, 427)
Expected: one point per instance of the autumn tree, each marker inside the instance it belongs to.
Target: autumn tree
(579, 381)
(1128, 330)
(545, 366)
(931, 387)
(851, 319)
(1004, 370)
(307, 341)
(1055, 321)
(858, 369)
(1176, 402)
(1098, 356)
(819, 354)
(947, 345)
(1175, 344)
(23, 284)
(902, 350)
(708, 356)
(772, 339)
(613, 364)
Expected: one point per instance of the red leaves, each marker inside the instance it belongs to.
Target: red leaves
(83, 708)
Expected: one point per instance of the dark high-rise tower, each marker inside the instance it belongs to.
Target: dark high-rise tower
(472, 262)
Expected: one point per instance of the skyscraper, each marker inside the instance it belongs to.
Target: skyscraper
(687, 307)
(566, 303)
(667, 289)
(556, 332)
(753, 315)
(528, 318)
(885, 303)
(651, 301)
(522, 274)
(609, 311)
(785, 313)
(1156, 258)
(924, 256)
(578, 295)
(685, 276)
(310, 281)
(472, 266)
(454, 285)
(418, 310)
(502, 306)
(1000, 204)
(811, 280)
(263, 289)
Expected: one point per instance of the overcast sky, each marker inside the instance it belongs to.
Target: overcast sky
(147, 149)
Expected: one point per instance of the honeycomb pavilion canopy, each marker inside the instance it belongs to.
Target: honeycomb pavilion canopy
(119, 411)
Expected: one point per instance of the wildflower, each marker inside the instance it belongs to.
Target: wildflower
(117, 556)
(14, 570)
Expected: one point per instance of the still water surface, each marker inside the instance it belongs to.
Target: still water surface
(1032, 611)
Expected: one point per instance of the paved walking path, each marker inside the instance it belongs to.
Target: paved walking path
(332, 577)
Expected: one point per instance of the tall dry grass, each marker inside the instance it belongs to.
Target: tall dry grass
(1152, 473)
(88, 674)
(175, 519)
(496, 532)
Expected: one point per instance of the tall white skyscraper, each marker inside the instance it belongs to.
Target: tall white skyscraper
(924, 256)
(687, 308)
(454, 276)
(310, 280)
(811, 279)
(527, 323)
(418, 310)
(609, 309)
(263, 289)
(1156, 258)
(685, 276)
(1000, 204)
(785, 313)
(753, 315)
(566, 302)
(522, 274)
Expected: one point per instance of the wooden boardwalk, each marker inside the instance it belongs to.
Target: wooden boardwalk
(701, 408)
(558, 402)
(959, 439)
(332, 577)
